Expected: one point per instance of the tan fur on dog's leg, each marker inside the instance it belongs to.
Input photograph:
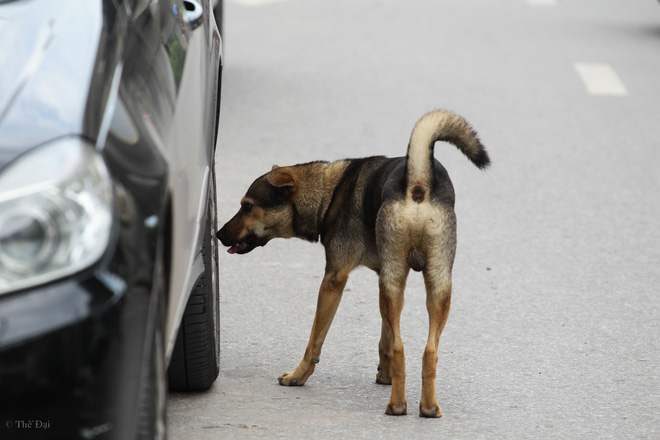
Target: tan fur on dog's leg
(438, 314)
(391, 304)
(384, 375)
(330, 295)
(438, 301)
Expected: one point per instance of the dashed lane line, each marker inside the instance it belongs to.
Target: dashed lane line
(601, 79)
(542, 2)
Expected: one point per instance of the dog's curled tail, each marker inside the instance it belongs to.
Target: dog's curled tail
(438, 125)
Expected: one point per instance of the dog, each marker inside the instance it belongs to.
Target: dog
(388, 214)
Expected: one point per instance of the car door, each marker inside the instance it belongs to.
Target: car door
(193, 50)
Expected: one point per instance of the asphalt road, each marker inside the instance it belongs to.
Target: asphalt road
(554, 331)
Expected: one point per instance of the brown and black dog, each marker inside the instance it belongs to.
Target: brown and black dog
(389, 214)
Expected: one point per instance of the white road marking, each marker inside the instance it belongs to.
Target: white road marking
(601, 79)
(542, 2)
(256, 2)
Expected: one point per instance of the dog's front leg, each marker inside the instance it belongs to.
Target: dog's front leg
(330, 294)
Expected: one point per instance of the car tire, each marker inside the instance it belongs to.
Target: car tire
(194, 364)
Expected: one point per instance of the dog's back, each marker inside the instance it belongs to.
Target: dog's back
(412, 196)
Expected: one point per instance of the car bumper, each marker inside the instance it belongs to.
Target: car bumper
(60, 359)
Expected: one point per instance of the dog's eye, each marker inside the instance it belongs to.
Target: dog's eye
(247, 208)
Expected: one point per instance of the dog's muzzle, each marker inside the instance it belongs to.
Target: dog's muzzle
(240, 246)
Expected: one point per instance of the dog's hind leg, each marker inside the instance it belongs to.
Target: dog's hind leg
(392, 282)
(330, 295)
(438, 299)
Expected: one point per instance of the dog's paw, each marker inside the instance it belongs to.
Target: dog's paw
(397, 410)
(432, 411)
(383, 379)
(384, 375)
(289, 379)
(300, 375)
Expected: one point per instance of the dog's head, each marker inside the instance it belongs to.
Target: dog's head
(266, 213)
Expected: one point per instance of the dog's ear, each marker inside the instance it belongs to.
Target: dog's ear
(283, 180)
(275, 167)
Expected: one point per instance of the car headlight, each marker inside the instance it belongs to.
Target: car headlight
(56, 213)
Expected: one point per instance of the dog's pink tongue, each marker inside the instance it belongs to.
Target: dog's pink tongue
(233, 249)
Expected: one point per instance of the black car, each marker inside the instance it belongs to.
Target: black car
(108, 266)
